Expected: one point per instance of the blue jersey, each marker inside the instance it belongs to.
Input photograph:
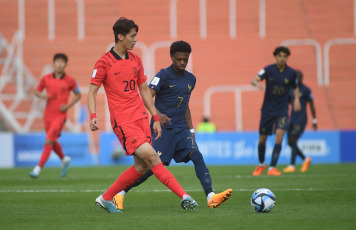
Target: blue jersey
(305, 96)
(278, 85)
(173, 94)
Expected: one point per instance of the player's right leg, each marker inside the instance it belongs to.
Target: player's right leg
(146, 155)
(47, 148)
(261, 156)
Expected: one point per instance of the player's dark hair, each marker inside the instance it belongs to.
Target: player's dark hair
(123, 26)
(180, 46)
(281, 49)
(60, 56)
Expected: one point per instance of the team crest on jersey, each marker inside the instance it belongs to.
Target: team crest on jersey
(286, 80)
(189, 87)
(159, 153)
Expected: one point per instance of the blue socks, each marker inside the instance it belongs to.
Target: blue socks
(201, 171)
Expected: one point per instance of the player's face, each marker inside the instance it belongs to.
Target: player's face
(59, 65)
(180, 61)
(281, 58)
(130, 40)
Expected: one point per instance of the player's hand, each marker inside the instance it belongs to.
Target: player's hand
(157, 129)
(193, 134)
(94, 124)
(45, 97)
(164, 119)
(63, 108)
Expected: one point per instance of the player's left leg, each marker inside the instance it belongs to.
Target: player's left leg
(292, 143)
(273, 171)
(203, 174)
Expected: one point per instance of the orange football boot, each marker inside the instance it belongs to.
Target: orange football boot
(289, 169)
(258, 170)
(217, 199)
(274, 172)
(118, 201)
(305, 165)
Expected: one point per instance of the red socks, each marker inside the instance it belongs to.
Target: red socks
(127, 178)
(45, 154)
(58, 150)
(168, 180)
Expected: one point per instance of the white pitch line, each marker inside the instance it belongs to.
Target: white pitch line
(165, 190)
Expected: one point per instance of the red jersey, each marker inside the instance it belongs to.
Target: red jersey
(58, 91)
(120, 78)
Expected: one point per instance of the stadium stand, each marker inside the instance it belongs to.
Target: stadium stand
(219, 59)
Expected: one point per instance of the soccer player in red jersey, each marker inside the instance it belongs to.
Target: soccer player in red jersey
(58, 86)
(121, 73)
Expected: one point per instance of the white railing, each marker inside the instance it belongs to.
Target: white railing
(300, 42)
(327, 46)
(238, 103)
(81, 19)
(202, 19)
(262, 18)
(354, 17)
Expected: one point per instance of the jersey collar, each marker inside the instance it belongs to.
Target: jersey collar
(117, 56)
(54, 76)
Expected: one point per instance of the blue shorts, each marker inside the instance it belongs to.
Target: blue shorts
(175, 143)
(296, 127)
(269, 123)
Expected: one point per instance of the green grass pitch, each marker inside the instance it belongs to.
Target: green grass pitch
(323, 198)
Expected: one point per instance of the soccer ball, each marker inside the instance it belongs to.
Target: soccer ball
(263, 200)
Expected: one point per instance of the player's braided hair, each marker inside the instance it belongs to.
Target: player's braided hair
(180, 46)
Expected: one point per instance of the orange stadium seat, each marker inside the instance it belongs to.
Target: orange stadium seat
(217, 59)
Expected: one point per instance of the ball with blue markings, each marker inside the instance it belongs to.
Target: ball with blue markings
(263, 200)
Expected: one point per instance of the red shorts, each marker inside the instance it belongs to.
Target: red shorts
(54, 128)
(134, 134)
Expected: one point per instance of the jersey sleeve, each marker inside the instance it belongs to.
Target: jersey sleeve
(41, 85)
(74, 86)
(310, 96)
(99, 72)
(263, 73)
(157, 82)
(142, 78)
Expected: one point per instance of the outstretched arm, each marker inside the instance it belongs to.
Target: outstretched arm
(312, 108)
(256, 81)
(94, 121)
(76, 98)
(147, 100)
(188, 119)
(296, 102)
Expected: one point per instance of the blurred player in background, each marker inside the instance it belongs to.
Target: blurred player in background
(297, 124)
(121, 72)
(280, 78)
(173, 87)
(58, 86)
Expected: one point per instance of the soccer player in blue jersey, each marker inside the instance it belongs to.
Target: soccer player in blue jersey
(297, 124)
(172, 88)
(280, 78)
